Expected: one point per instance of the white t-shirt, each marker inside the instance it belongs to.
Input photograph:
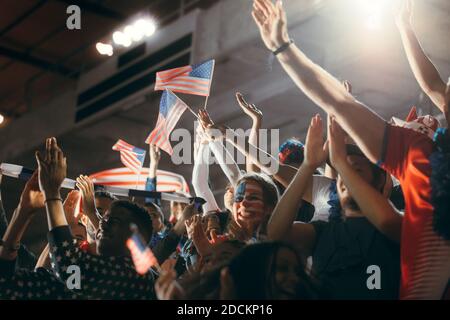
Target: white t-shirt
(320, 197)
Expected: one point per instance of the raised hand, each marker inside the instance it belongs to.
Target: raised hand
(155, 154)
(32, 198)
(338, 151)
(250, 109)
(316, 151)
(86, 186)
(188, 212)
(272, 23)
(52, 169)
(237, 232)
(189, 227)
(70, 207)
(405, 15)
(212, 130)
(198, 236)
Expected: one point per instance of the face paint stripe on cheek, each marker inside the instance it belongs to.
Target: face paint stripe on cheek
(240, 192)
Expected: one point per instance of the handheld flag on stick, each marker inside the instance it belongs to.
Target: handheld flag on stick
(195, 79)
(170, 110)
(131, 157)
(142, 255)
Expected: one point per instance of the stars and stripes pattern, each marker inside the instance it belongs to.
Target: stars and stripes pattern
(125, 178)
(195, 79)
(131, 157)
(170, 110)
(142, 255)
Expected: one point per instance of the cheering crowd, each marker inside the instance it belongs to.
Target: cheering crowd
(361, 214)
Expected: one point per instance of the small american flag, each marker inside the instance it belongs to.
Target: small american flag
(170, 110)
(142, 255)
(195, 79)
(131, 157)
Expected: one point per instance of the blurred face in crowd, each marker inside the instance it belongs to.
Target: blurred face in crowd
(228, 197)
(102, 204)
(286, 275)
(113, 232)
(157, 223)
(249, 208)
(365, 169)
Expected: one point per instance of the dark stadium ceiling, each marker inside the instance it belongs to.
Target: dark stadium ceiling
(39, 56)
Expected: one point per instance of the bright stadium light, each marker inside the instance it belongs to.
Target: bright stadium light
(133, 33)
(104, 49)
(119, 38)
(372, 11)
(146, 26)
(2, 118)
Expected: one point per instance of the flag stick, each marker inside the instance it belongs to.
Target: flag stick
(209, 91)
(206, 103)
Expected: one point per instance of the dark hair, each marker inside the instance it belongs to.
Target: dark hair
(139, 216)
(253, 271)
(440, 183)
(105, 194)
(291, 152)
(157, 208)
(270, 190)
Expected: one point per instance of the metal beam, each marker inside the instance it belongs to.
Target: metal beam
(37, 62)
(96, 9)
(25, 15)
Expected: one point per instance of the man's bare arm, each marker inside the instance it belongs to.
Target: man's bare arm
(321, 87)
(425, 72)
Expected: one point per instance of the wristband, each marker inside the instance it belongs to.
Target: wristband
(283, 47)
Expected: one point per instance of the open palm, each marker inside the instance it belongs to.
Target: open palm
(271, 21)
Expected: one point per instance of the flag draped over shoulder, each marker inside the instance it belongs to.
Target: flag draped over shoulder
(195, 79)
(170, 110)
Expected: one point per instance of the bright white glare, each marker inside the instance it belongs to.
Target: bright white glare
(133, 33)
(119, 38)
(373, 11)
(2, 118)
(373, 22)
(104, 49)
(146, 26)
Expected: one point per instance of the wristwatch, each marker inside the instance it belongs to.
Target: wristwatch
(283, 47)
